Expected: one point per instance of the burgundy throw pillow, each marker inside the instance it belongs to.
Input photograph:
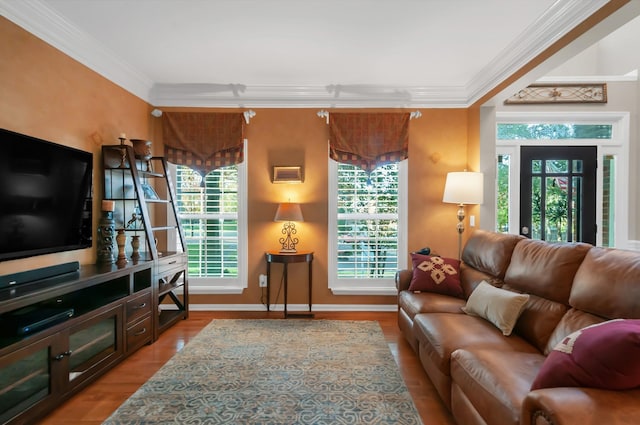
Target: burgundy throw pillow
(605, 355)
(436, 274)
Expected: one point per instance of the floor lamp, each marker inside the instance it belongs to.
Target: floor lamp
(463, 188)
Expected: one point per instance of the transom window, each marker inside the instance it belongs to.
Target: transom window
(550, 131)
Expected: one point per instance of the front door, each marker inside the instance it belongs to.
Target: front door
(558, 193)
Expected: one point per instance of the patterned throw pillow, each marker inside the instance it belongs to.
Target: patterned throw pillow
(605, 355)
(436, 274)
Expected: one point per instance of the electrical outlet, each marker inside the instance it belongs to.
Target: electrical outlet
(262, 280)
(472, 221)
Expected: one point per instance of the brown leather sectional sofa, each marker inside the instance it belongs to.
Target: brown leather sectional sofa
(485, 377)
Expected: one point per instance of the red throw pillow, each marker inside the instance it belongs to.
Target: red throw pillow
(436, 274)
(606, 355)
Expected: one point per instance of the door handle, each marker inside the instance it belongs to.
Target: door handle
(524, 230)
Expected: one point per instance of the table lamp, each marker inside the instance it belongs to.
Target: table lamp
(288, 212)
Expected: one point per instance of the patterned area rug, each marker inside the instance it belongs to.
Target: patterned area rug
(276, 372)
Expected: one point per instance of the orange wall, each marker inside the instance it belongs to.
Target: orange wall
(46, 94)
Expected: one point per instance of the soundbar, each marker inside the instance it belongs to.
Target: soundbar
(38, 274)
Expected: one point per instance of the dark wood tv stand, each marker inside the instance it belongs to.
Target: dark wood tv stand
(47, 356)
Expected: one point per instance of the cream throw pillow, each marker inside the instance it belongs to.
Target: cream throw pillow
(498, 306)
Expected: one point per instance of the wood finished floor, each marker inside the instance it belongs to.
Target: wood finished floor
(96, 402)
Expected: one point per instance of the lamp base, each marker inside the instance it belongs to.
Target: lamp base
(460, 227)
(288, 251)
(288, 243)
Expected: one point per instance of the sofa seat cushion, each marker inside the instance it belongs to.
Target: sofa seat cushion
(425, 302)
(440, 334)
(495, 382)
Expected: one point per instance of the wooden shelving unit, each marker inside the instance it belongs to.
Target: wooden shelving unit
(145, 208)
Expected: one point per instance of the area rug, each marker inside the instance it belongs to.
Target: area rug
(276, 372)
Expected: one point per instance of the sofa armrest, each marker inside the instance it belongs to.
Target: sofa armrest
(571, 406)
(403, 279)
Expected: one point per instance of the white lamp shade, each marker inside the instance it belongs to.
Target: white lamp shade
(463, 187)
(288, 211)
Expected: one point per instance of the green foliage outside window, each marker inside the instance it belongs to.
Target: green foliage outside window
(540, 131)
(367, 222)
(208, 209)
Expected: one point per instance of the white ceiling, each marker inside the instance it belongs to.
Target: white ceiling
(296, 53)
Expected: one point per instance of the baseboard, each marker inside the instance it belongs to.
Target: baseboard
(295, 307)
(633, 245)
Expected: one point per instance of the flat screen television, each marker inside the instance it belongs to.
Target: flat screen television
(45, 197)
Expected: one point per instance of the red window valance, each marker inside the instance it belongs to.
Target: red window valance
(368, 140)
(203, 141)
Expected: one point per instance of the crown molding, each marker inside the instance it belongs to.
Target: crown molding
(41, 20)
(557, 21)
(332, 96)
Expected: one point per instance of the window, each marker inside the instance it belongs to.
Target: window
(210, 213)
(549, 131)
(503, 198)
(367, 221)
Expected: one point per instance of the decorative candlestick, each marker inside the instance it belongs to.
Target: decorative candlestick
(106, 230)
(121, 240)
(123, 151)
(135, 245)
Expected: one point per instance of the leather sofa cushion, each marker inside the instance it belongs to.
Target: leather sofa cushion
(538, 320)
(490, 252)
(426, 302)
(470, 278)
(544, 269)
(440, 334)
(496, 382)
(608, 284)
(572, 321)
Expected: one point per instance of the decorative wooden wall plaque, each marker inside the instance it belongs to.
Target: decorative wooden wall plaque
(560, 93)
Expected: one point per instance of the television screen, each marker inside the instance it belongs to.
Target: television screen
(45, 197)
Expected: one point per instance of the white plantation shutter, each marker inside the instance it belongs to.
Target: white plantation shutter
(213, 215)
(367, 222)
(366, 240)
(209, 216)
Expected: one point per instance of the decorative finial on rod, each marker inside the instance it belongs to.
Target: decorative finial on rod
(324, 114)
(248, 115)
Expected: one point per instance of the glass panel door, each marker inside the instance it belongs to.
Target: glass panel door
(557, 188)
(25, 378)
(94, 343)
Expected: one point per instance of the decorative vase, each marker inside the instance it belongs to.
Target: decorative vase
(142, 151)
(121, 240)
(142, 148)
(135, 245)
(106, 231)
